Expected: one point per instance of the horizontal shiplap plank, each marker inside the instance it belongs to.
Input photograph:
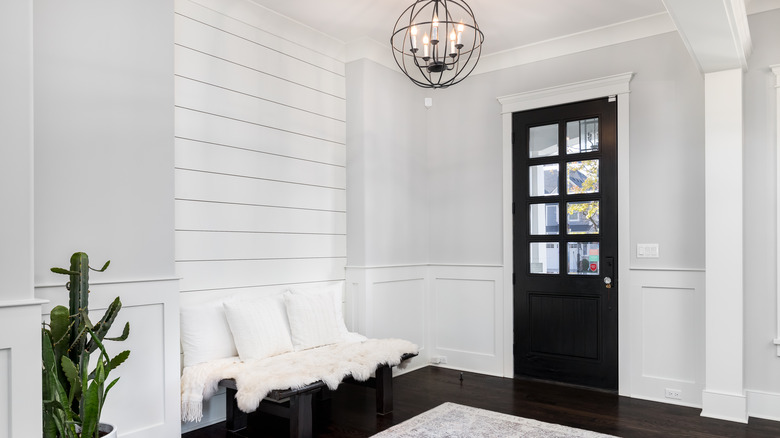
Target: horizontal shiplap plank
(201, 245)
(205, 296)
(210, 99)
(248, 273)
(203, 186)
(210, 216)
(220, 130)
(247, 20)
(204, 68)
(228, 160)
(216, 42)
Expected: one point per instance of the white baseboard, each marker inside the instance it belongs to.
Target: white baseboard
(730, 407)
(764, 405)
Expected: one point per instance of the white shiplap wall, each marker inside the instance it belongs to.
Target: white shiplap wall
(260, 155)
(260, 151)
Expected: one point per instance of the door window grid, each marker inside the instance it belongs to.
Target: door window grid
(581, 179)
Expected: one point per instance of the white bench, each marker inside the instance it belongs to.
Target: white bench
(279, 354)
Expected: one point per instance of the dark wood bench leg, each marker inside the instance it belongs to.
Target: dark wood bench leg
(384, 390)
(236, 418)
(301, 416)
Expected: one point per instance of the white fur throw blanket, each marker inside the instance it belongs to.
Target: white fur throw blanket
(256, 378)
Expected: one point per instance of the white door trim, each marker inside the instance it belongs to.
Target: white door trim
(616, 85)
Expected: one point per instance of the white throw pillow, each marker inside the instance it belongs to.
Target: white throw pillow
(259, 327)
(335, 292)
(205, 334)
(312, 319)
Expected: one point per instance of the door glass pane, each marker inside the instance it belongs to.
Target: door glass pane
(582, 217)
(543, 180)
(544, 219)
(582, 177)
(544, 258)
(583, 258)
(582, 136)
(543, 141)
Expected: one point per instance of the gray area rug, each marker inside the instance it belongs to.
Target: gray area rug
(454, 420)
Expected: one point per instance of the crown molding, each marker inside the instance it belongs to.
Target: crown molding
(631, 30)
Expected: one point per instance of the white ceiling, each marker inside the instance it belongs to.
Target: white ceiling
(506, 23)
(707, 27)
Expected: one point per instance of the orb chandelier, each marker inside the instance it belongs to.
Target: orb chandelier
(437, 43)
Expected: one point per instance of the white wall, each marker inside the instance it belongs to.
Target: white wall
(387, 168)
(104, 185)
(759, 155)
(19, 311)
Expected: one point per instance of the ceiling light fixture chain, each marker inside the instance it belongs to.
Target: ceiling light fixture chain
(450, 38)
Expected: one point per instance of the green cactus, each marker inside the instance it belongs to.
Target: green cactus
(73, 397)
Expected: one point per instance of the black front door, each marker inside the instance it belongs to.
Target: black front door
(565, 243)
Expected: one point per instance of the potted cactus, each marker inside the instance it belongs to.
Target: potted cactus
(74, 395)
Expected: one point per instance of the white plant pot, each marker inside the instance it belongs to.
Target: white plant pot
(109, 428)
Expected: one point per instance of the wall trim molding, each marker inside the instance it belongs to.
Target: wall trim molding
(575, 91)
(618, 85)
(418, 265)
(662, 269)
(22, 303)
(776, 71)
(98, 283)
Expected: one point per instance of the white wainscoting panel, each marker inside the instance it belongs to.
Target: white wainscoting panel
(667, 348)
(467, 317)
(145, 401)
(400, 309)
(389, 302)
(20, 367)
(452, 311)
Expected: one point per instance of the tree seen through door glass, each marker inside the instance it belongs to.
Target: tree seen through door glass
(582, 136)
(582, 217)
(583, 258)
(543, 141)
(582, 177)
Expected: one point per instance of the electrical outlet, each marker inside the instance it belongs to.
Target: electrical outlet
(673, 393)
(438, 359)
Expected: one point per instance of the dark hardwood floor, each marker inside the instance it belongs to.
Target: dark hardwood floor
(351, 413)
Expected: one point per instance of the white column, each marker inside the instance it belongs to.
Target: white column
(724, 395)
(20, 313)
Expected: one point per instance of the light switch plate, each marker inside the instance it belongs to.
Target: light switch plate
(647, 251)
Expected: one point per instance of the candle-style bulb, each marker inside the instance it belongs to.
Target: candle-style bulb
(435, 28)
(452, 43)
(425, 45)
(413, 32)
(460, 33)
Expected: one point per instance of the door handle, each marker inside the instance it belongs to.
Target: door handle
(608, 282)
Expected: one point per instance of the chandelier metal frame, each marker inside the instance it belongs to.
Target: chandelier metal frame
(443, 62)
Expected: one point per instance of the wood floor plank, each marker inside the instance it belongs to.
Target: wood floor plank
(351, 410)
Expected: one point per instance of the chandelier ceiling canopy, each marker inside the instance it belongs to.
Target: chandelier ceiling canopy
(437, 43)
